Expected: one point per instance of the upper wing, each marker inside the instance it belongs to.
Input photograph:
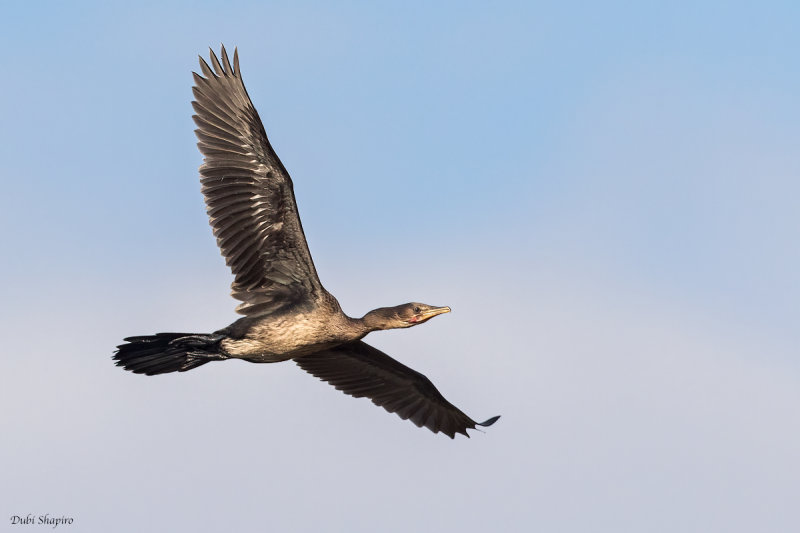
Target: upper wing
(249, 195)
(358, 369)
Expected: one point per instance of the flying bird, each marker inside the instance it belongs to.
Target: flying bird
(288, 314)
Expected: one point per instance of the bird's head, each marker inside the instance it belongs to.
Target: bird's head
(402, 316)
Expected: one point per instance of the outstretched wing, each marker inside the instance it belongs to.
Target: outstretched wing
(358, 369)
(249, 195)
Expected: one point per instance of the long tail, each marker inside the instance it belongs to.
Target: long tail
(168, 352)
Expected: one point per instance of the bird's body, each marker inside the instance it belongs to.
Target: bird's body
(288, 313)
(292, 333)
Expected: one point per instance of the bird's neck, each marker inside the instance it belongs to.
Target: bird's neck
(372, 321)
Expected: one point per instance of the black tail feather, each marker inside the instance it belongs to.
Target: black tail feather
(168, 352)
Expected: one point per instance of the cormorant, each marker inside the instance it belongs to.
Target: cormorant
(288, 314)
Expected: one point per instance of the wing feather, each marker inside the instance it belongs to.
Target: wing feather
(358, 369)
(249, 195)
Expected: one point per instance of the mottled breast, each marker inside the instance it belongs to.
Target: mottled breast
(284, 336)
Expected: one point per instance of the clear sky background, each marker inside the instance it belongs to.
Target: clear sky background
(606, 194)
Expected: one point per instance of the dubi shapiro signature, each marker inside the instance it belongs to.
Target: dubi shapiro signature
(40, 520)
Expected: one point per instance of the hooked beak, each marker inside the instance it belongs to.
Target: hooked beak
(428, 314)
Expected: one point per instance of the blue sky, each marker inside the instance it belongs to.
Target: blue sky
(607, 196)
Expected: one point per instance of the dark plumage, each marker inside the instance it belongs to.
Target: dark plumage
(288, 314)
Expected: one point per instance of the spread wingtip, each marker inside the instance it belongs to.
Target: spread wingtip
(489, 422)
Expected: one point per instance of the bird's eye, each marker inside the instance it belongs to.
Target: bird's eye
(417, 309)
